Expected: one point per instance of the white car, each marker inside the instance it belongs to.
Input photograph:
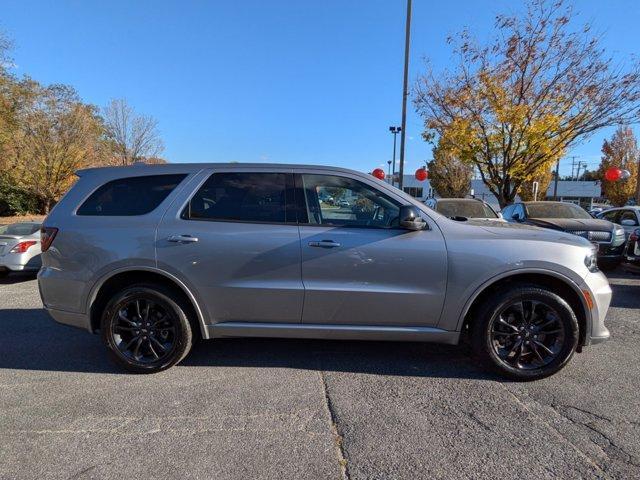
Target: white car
(20, 248)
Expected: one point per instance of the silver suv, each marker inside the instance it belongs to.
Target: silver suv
(154, 257)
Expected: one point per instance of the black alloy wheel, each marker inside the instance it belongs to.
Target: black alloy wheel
(527, 334)
(524, 332)
(146, 329)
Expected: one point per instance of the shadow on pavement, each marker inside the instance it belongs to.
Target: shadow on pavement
(31, 340)
(17, 278)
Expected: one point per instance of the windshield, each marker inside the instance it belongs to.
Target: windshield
(469, 209)
(556, 210)
(19, 229)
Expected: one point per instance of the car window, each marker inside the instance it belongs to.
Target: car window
(628, 215)
(343, 201)
(556, 210)
(130, 196)
(465, 208)
(611, 216)
(20, 229)
(242, 197)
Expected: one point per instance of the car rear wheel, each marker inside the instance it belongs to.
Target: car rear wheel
(525, 332)
(146, 329)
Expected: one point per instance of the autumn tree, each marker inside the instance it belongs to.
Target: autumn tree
(513, 107)
(58, 135)
(132, 137)
(449, 176)
(620, 151)
(543, 177)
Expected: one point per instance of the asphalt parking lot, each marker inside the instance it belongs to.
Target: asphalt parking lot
(310, 409)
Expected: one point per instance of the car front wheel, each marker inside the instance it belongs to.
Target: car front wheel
(525, 332)
(146, 329)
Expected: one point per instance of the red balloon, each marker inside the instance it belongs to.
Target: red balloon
(422, 174)
(379, 174)
(612, 174)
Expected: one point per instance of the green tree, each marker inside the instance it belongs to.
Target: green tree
(513, 107)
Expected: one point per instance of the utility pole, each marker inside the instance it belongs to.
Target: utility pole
(573, 166)
(555, 182)
(389, 172)
(395, 131)
(405, 92)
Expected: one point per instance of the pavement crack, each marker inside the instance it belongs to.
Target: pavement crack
(82, 472)
(337, 437)
(554, 430)
(608, 446)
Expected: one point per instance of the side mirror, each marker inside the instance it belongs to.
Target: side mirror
(627, 222)
(410, 218)
(516, 217)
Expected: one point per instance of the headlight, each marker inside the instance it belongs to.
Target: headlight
(591, 261)
(619, 237)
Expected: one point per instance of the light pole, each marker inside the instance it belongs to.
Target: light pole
(395, 131)
(389, 171)
(405, 92)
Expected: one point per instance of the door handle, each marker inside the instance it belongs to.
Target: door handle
(324, 244)
(182, 239)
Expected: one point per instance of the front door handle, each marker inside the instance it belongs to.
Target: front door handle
(182, 239)
(324, 244)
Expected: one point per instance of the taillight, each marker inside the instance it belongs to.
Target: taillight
(47, 234)
(635, 235)
(23, 246)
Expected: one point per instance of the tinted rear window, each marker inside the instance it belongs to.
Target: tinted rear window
(130, 196)
(244, 197)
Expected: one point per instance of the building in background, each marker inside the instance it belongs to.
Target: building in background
(584, 193)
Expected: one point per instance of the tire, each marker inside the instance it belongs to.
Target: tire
(4, 273)
(146, 329)
(547, 341)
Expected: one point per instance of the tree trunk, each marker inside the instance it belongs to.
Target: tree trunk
(47, 206)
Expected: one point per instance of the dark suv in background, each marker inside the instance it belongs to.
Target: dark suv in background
(608, 237)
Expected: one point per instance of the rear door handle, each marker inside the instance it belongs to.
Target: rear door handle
(182, 239)
(324, 244)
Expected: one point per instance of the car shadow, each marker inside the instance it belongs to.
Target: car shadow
(17, 278)
(31, 340)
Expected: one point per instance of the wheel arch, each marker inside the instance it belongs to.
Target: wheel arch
(558, 283)
(121, 278)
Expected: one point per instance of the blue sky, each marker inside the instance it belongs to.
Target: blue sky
(294, 81)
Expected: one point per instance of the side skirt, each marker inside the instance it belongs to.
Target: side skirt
(333, 332)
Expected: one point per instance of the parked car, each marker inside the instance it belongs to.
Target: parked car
(154, 257)
(19, 248)
(628, 217)
(631, 257)
(568, 217)
(464, 208)
(596, 208)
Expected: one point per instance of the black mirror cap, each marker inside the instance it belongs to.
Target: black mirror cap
(410, 218)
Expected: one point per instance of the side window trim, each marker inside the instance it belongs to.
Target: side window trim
(302, 207)
(290, 199)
